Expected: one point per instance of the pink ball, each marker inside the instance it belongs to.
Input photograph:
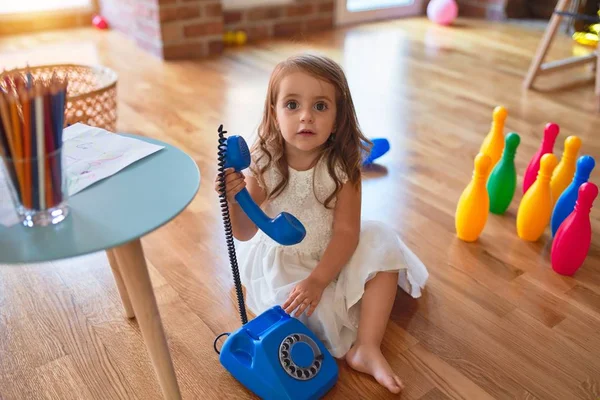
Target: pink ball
(442, 12)
(99, 22)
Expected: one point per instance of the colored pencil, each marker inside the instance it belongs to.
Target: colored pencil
(39, 130)
(17, 139)
(5, 153)
(7, 124)
(49, 147)
(25, 101)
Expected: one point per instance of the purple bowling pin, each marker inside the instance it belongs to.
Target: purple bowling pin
(547, 146)
(572, 241)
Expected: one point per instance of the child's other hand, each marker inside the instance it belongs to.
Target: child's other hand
(234, 183)
(305, 296)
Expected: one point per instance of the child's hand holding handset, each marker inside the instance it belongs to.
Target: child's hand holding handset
(234, 183)
(305, 296)
(242, 226)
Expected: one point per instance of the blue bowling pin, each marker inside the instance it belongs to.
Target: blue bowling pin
(566, 202)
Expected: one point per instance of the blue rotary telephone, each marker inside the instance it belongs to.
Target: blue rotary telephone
(274, 355)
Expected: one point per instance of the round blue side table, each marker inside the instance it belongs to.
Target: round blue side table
(112, 215)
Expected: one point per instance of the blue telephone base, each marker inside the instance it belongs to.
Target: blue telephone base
(278, 357)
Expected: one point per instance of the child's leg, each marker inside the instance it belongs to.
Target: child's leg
(376, 306)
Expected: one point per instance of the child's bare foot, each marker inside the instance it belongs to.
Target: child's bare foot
(370, 360)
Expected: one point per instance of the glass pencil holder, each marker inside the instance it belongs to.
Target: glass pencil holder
(38, 188)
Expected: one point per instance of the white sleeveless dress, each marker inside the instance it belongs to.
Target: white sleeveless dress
(269, 271)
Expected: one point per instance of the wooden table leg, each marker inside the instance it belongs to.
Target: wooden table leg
(114, 265)
(132, 264)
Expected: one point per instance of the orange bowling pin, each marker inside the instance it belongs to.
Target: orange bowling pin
(535, 209)
(474, 203)
(493, 144)
(564, 172)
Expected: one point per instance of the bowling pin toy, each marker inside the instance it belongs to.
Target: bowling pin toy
(535, 208)
(572, 241)
(502, 182)
(566, 202)
(493, 144)
(547, 146)
(564, 172)
(474, 203)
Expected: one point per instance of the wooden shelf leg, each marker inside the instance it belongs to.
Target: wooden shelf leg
(132, 264)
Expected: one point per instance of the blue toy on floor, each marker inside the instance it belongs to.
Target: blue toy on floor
(274, 355)
(380, 147)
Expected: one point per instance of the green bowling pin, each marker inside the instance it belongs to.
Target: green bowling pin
(503, 178)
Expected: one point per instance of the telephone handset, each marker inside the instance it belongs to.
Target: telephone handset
(284, 228)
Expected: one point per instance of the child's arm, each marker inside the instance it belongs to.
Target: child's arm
(346, 233)
(242, 227)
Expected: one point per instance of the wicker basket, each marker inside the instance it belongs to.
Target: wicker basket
(91, 92)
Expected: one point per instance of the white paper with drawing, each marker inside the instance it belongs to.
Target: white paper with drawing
(92, 154)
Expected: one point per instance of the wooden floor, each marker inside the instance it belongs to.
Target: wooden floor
(494, 321)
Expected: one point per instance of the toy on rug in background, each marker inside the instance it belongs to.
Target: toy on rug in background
(380, 147)
(442, 12)
(588, 38)
(589, 35)
(573, 238)
(474, 203)
(238, 38)
(99, 22)
(502, 182)
(547, 146)
(535, 208)
(564, 172)
(493, 144)
(566, 202)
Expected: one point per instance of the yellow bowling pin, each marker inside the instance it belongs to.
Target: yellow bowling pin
(493, 144)
(474, 203)
(535, 209)
(564, 172)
